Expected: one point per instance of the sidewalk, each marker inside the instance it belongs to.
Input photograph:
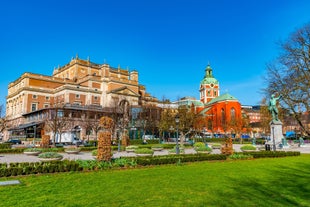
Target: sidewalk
(9, 158)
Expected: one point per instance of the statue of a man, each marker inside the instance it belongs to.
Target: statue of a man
(272, 107)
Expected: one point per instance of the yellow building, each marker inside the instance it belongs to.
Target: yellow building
(79, 85)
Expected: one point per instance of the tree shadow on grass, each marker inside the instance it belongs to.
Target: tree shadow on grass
(285, 186)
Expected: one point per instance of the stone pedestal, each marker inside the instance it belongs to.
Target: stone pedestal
(276, 134)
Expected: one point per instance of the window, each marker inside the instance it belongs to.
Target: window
(46, 105)
(34, 96)
(60, 113)
(232, 114)
(47, 98)
(223, 116)
(96, 97)
(34, 106)
(77, 96)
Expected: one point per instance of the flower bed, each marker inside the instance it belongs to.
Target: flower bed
(50, 156)
(32, 151)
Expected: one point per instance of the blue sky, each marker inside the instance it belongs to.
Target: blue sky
(169, 42)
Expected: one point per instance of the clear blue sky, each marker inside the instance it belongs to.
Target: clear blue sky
(169, 42)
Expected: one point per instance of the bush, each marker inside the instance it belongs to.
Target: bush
(262, 154)
(248, 147)
(144, 151)
(237, 156)
(50, 155)
(33, 149)
(216, 145)
(181, 150)
(5, 146)
(12, 151)
(94, 152)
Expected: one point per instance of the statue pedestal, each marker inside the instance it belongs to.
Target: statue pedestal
(276, 134)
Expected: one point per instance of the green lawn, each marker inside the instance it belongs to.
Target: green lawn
(261, 182)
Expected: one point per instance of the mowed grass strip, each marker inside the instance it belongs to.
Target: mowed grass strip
(259, 182)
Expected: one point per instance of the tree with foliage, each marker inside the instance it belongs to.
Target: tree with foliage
(187, 118)
(289, 75)
(167, 120)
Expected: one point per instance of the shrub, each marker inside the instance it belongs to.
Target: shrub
(199, 145)
(5, 146)
(181, 150)
(33, 149)
(94, 152)
(132, 147)
(216, 145)
(248, 147)
(144, 151)
(157, 146)
(237, 156)
(50, 155)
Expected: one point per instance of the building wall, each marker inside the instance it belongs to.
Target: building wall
(78, 82)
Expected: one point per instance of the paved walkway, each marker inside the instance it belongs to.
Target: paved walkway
(8, 158)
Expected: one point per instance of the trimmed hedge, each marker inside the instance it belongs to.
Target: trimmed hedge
(12, 151)
(5, 146)
(263, 154)
(15, 169)
(172, 159)
(27, 168)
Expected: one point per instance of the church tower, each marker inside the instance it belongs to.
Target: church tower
(209, 86)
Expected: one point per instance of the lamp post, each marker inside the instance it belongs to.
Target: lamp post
(177, 120)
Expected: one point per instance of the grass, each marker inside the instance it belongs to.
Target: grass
(259, 182)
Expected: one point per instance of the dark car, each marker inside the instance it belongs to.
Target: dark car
(14, 141)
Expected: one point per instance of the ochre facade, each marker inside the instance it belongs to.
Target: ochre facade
(78, 83)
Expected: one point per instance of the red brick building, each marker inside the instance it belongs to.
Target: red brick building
(222, 112)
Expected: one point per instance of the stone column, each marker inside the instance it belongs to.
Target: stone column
(276, 134)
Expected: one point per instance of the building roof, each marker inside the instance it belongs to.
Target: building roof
(189, 102)
(224, 97)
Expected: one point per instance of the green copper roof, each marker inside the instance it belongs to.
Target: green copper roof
(208, 78)
(190, 102)
(224, 97)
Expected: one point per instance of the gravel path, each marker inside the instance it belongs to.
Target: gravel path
(8, 158)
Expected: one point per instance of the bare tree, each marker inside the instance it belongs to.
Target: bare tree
(289, 75)
(57, 122)
(3, 121)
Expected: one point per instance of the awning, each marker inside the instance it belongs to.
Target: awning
(23, 126)
(290, 134)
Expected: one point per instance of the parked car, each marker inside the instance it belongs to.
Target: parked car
(149, 136)
(14, 141)
(77, 141)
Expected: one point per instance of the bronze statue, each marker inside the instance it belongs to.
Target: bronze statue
(272, 107)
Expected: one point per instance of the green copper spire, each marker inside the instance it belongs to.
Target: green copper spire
(208, 71)
(208, 78)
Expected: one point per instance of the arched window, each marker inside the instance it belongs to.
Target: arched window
(232, 114)
(223, 116)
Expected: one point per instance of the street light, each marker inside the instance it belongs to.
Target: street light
(177, 120)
